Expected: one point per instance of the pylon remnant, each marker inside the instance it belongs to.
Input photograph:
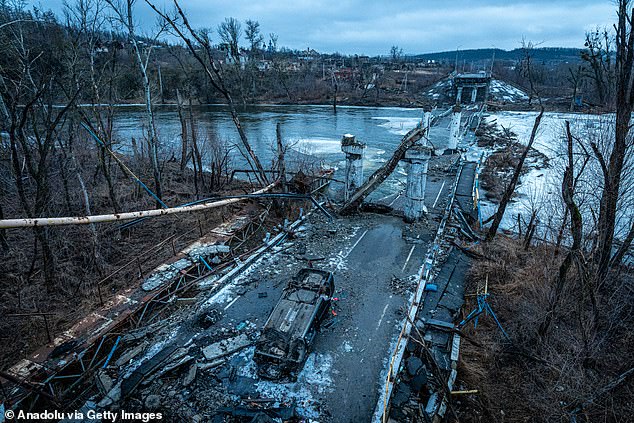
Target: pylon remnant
(426, 123)
(454, 131)
(354, 163)
(417, 158)
(474, 94)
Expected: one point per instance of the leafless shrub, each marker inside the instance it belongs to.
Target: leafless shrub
(544, 380)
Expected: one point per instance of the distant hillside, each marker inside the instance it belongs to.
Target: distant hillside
(547, 54)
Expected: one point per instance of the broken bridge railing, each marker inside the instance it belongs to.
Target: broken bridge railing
(65, 381)
(425, 275)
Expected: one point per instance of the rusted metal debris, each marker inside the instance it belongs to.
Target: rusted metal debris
(87, 345)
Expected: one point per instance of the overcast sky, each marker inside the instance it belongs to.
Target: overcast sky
(423, 26)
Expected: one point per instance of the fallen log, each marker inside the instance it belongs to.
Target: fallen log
(383, 172)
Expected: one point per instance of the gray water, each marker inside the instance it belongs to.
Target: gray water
(313, 130)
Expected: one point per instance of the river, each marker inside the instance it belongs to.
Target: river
(315, 130)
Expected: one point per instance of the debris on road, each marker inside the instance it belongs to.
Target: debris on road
(226, 347)
(290, 329)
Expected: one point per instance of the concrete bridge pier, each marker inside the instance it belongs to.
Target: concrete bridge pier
(459, 95)
(417, 158)
(426, 120)
(454, 131)
(474, 94)
(354, 151)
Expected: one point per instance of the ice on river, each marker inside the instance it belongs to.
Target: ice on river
(398, 125)
(540, 187)
(317, 146)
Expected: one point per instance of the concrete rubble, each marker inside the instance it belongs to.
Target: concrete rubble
(165, 273)
(429, 367)
(195, 358)
(226, 347)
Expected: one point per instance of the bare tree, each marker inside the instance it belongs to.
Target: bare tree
(396, 54)
(32, 77)
(613, 167)
(85, 21)
(214, 75)
(273, 38)
(575, 78)
(527, 70)
(252, 34)
(598, 55)
(281, 152)
(575, 254)
(124, 10)
(230, 32)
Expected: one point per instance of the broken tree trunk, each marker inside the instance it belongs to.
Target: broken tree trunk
(281, 163)
(576, 229)
(510, 189)
(383, 172)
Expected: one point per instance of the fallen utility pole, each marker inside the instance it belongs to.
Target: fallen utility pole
(383, 172)
(84, 220)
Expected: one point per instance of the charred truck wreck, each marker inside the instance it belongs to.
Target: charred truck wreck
(290, 329)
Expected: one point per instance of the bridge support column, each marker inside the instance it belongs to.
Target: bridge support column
(417, 158)
(454, 130)
(354, 151)
(459, 96)
(474, 94)
(426, 119)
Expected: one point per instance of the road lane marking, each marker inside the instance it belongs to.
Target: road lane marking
(382, 315)
(356, 243)
(409, 256)
(439, 192)
(231, 303)
(394, 201)
(388, 196)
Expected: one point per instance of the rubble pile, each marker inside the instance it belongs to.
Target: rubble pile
(196, 364)
(429, 366)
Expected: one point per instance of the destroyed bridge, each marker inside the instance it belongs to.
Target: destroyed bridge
(379, 344)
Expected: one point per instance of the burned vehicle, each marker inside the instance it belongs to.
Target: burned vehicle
(290, 329)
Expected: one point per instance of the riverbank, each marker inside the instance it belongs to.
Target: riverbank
(86, 256)
(407, 102)
(529, 378)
